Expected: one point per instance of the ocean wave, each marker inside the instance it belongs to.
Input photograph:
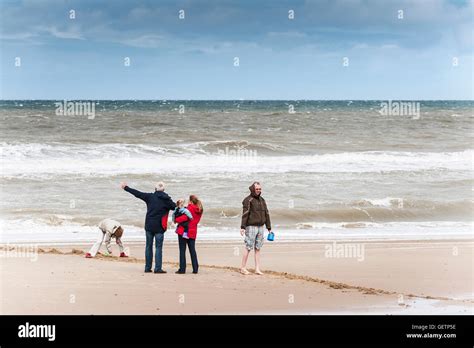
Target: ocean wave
(346, 215)
(361, 211)
(221, 146)
(30, 160)
(37, 231)
(44, 151)
(314, 225)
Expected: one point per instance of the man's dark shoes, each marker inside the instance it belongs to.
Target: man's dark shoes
(180, 272)
(148, 271)
(159, 271)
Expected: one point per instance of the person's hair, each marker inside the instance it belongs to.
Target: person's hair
(160, 186)
(256, 183)
(118, 232)
(180, 201)
(195, 200)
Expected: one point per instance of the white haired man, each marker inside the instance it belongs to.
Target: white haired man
(158, 206)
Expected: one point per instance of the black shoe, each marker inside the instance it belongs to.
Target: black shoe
(179, 272)
(159, 271)
(148, 271)
(195, 272)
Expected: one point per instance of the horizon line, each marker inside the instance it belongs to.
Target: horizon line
(238, 100)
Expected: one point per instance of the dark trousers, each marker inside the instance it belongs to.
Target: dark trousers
(158, 237)
(191, 243)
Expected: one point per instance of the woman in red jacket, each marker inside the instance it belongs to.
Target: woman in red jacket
(195, 208)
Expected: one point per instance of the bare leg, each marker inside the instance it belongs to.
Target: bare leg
(257, 262)
(245, 257)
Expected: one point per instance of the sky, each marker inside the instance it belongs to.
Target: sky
(330, 49)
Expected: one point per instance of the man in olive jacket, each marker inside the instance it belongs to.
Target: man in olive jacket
(254, 216)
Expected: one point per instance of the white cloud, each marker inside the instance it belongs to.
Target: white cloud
(143, 41)
(389, 46)
(287, 34)
(73, 33)
(18, 36)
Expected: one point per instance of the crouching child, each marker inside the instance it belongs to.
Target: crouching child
(108, 229)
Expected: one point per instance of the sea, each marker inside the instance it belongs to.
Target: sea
(329, 170)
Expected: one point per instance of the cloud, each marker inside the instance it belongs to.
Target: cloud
(19, 36)
(335, 24)
(143, 41)
(287, 34)
(302, 53)
(71, 33)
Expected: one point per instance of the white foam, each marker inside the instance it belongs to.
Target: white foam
(385, 202)
(40, 160)
(47, 231)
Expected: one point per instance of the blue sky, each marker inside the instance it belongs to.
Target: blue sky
(193, 58)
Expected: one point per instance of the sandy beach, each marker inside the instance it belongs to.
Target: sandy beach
(409, 277)
(394, 194)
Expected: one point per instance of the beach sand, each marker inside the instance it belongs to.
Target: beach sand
(409, 277)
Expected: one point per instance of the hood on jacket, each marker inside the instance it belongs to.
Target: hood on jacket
(252, 191)
(161, 194)
(194, 209)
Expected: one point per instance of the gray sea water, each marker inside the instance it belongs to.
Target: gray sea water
(329, 169)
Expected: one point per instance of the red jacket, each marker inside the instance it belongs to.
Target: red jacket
(192, 226)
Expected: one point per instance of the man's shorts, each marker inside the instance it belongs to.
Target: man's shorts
(253, 237)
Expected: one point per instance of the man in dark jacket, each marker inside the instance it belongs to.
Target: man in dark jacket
(158, 206)
(254, 216)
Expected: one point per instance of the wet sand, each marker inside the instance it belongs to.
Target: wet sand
(410, 277)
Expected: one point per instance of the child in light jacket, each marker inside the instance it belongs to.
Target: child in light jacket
(108, 229)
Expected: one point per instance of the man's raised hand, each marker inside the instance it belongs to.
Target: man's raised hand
(123, 185)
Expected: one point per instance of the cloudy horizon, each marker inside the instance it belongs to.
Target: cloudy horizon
(231, 50)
